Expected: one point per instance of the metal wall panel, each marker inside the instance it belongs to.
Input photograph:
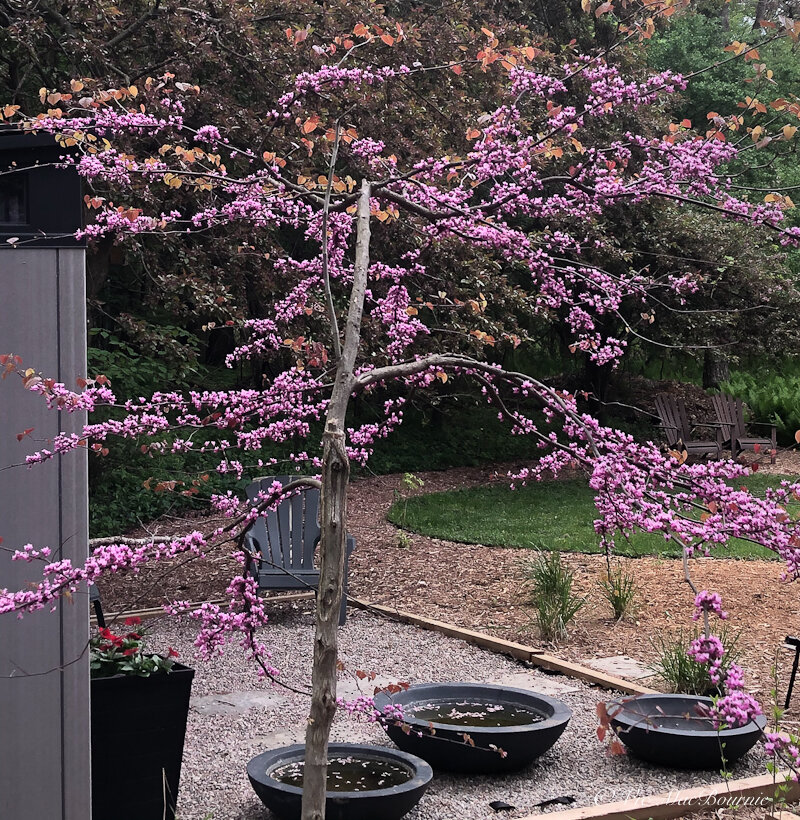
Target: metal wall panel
(44, 679)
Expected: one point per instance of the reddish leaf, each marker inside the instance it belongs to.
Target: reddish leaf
(616, 748)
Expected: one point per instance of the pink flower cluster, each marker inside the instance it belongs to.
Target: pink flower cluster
(734, 709)
(706, 601)
(785, 747)
(364, 706)
(708, 650)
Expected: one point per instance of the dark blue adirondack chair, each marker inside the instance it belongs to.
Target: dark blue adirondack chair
(286, 539)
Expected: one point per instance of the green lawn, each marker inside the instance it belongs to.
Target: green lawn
(549, 515)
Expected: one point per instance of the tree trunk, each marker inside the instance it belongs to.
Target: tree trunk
(760, 13)
(716, 369)
(725, 17)
(596, 381)
(333, 524)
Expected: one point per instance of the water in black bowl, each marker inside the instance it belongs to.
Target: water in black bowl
(364, 782)
(473, 713)
(348, 774)
(474, 727)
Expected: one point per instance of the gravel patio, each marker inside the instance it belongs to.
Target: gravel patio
(234, 716)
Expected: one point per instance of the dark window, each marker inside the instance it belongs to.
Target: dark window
(13, 199)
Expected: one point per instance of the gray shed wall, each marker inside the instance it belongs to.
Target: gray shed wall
(44, 678)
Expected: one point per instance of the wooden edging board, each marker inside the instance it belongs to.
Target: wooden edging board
(749, 792)
(156, 611)
(516, 650)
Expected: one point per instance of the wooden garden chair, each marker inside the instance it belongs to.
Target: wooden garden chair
(730, 414)
(678, 431)
(285, 539)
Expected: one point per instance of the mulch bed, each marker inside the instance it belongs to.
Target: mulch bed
(484, 588)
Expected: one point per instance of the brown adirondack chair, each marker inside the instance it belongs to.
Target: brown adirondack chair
(730, 414)
(678, 430)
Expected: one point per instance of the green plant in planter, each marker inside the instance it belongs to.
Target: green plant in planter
(112, 654)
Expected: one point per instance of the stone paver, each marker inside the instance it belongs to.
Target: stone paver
(549, 685)
(231, 703)
(621, 666)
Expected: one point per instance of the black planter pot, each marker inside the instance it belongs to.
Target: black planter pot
(379, 804)
(446, 749)
(668, 730)
(138, 728)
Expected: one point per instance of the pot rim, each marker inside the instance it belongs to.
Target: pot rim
(561, 712)
(422, 773)
(759, 723)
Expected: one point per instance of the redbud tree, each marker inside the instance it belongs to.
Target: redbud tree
(370, 302)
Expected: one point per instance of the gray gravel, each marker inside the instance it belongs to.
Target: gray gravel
(248, 716)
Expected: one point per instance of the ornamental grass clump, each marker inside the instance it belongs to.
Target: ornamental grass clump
(552, 596)
(619, 589)
(112, 654)
(681, 672)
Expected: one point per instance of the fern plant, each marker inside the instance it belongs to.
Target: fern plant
(771, 396)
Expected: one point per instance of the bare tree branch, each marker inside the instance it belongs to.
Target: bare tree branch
(133, 27)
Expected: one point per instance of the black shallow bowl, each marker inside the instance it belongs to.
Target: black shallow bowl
(446, 748)
(667, 730)
(380, 804)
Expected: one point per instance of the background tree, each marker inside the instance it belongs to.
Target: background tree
(187, 296)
